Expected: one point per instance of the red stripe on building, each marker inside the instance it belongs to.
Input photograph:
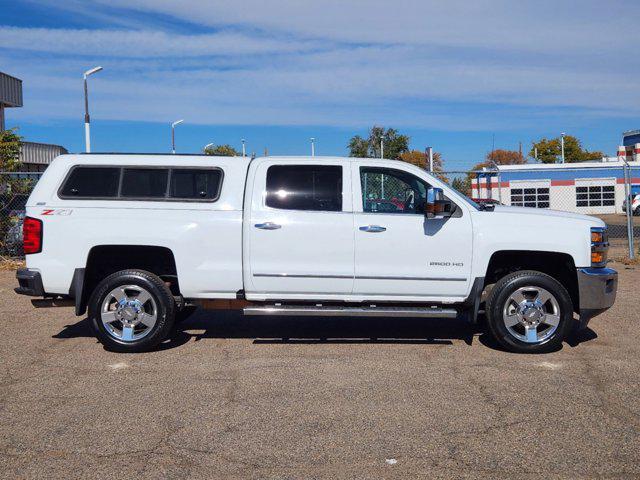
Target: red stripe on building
(562, 183)
(620, 181)
(504, 184)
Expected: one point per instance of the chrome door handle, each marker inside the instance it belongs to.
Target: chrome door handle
(373, 228)
(268, 226)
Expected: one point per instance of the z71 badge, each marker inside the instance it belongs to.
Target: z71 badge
(56, 211)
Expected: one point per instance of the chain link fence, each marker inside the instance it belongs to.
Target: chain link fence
(15, 189)
(599, 191)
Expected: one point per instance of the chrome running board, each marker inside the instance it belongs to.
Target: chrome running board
(337, 311)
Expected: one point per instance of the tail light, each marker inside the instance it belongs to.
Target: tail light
(32, 235)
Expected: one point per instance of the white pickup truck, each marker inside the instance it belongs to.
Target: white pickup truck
(140, 240)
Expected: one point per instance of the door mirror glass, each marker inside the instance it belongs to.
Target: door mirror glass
(437, 206)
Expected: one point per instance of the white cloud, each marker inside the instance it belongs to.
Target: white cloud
(494, 64)
(142, 44)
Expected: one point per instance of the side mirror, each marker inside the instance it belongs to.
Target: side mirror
(437, 206)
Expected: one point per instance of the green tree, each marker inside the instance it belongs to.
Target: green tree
(418, 158)
(9, 150)
(394, 144)
(550, 150)
(221, 151)
(463, 185)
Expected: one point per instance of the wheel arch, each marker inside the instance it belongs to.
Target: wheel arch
(561, 266)
(103, 260)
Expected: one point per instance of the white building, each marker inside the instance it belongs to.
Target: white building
(586, 187)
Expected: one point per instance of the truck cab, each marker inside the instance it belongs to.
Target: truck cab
(140, 239)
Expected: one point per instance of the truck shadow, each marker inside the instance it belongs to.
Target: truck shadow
(203, 325)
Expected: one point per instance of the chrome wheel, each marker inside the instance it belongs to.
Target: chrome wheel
(129, 313)
(531, 314)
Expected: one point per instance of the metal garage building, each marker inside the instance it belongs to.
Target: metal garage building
(34, 156)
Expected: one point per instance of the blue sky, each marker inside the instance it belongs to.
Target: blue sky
(449, 74)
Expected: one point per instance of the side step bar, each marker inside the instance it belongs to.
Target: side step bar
(337, 311)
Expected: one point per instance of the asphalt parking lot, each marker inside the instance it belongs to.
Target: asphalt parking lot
(233, 397)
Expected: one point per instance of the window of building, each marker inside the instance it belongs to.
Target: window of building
(536, 197)
(144, 182)
(595, 196)
(95, 182)
(385, 190)
(190, 183)
(305, 187)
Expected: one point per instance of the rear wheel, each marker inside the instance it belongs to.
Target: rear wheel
(529, 312)
(131, 311)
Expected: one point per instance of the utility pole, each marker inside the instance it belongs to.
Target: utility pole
(429, 153)
(381, 148)
(87, 120)
(562, 146)
(313, 147)
(244, 150)
(520, 149)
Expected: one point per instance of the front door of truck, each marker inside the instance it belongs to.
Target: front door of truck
(398, 252)
(300, 231)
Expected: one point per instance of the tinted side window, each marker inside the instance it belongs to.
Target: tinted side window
(92, 182)
(386, 190)
(195, 184)
(305, 187)
(144, 182)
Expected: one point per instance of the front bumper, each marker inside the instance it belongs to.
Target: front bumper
(30, 283)
(597, 288)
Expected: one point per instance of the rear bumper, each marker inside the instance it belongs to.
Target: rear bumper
(597, 288)
(30, 283)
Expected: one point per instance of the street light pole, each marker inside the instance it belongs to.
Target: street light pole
(381, 148)
(173, 135)
(244, 150)
(313, 147)
(562, 145)
(87, 120)
(430, 158)
(207, 146)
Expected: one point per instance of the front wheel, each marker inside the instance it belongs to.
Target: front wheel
(529, 312)
(131, 311)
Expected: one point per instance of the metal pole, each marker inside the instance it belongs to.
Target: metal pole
(244, 151)
(381, 148)
(627, 188)
(313, 149)
(173, 135)
(87, 120)
(430, 156)
(562, 146)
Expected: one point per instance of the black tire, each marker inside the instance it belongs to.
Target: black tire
(499, 297)
(185, 312)
(164, 303)
(636, 212)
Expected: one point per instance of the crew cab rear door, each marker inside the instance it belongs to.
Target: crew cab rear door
(298, 230)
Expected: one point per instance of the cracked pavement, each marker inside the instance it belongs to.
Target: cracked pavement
(233, 397)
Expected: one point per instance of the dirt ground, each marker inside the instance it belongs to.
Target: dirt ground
(233, 397)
